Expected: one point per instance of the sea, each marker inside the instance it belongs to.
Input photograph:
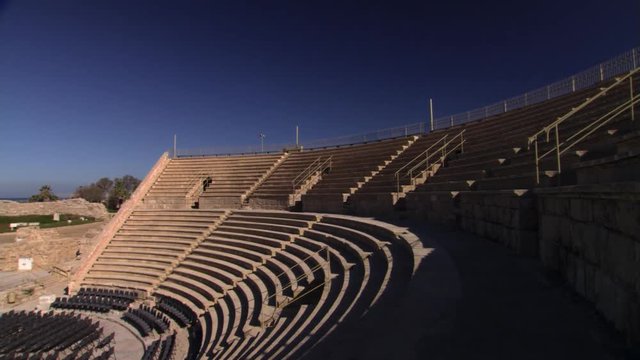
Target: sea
(22, 200)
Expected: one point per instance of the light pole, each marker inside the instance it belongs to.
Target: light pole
(262, 136)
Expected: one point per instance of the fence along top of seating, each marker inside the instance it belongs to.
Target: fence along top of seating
(481, 134)
(482, 151)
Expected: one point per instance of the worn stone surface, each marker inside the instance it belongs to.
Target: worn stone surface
(590, 235)
(501, 216)
(70, 206)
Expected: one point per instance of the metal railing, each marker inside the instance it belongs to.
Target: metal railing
(196, 184)
(235, 150)
(318, 165)
(609, 69)
(560, 147)
(424, 161)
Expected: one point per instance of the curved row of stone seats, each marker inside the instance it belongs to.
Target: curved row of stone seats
(148, 245)
(269, 284)
(42, 336)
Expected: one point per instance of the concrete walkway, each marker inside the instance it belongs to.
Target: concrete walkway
(474, 299)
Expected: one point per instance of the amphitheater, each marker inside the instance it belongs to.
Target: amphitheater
(285, 253)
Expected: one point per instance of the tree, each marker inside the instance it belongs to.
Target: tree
(95, 192)
(91, 193)
(105, 185)
(130, 183)
(122, 190)
(45, 195)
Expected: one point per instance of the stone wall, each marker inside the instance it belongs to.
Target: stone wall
(43, 245)
(72, 206)
(590, 234)
(434, 206)
(508, 217)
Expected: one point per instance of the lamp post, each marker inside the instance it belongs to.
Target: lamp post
(262, 136)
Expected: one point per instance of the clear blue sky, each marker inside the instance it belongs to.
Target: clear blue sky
(98, 88)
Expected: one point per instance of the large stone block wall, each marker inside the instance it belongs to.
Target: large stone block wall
(508, 217)
(591, 236)
(330, 203)
(436, 206)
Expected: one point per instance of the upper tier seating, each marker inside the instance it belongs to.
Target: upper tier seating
(349, 167)
(148, 245)
(231, 178)
(488, 164)
(271, 284)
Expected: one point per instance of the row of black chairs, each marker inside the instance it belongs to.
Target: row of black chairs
(154, 318)
(150, 351)
(168, 344)
(90, 303)
(161, 350)
(46, 336)
(129, 295)
(139, 324)
(176, 310)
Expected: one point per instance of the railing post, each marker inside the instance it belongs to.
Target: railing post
(504, 106)
(452, 120)
(431, 112)
(573, 84)
(633, 115)
(633, 54)
(175, 144)
(548, 93)
(537, 161)
(601, 72)
(558, 150)
(526, 97)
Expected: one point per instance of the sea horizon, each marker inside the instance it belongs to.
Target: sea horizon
(16, 199)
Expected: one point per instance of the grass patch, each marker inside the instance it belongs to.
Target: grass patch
(46, 221)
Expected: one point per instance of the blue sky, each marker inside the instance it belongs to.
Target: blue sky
(98, 88)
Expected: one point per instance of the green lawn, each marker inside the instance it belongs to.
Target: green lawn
(46, 221)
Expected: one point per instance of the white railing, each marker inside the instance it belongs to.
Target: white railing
(559, 147)
(318, 165)
(428, 159)
(609, 69)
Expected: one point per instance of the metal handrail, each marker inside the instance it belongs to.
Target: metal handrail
(441, 151)
(193, 183)
(563, 146)
(419, 156)
(586, 130)
(317, 165)
(547, 129)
